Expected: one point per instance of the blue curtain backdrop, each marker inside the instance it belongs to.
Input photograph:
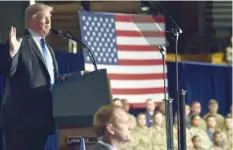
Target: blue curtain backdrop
(201, 80)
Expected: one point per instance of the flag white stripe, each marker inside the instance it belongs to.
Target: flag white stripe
(141, 98)
(123, 40)
(139, 55)
(132, 26)
(128, 69)
(137, 84)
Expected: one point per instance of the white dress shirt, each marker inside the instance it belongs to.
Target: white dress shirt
(37, 39)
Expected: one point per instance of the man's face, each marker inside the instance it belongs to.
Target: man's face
(197, 142)
(187, 110)
(228, 123)
(213, 108)
(121, 126)
(196, 108)
(126, 105)
(217, 139)
(42, 23)
(196, 121)
(150, 106)
(141, 120)
(158, 118)
(211, 122)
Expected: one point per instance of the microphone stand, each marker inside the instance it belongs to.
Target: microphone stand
(168, 105)
(70, 35)
(181, 124)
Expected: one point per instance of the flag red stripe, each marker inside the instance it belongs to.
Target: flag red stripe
(140, 34)
(137, 91)
(137, 48)
(136, 76)
(140, 62)
(142, 19)
(142, 105)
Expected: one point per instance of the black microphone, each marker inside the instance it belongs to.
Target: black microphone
(70, 35)
(57, 32)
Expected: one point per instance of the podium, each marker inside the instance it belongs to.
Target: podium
(76, 100)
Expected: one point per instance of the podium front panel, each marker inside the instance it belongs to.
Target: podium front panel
(76, 100)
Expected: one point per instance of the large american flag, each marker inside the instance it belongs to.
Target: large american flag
(126, 45)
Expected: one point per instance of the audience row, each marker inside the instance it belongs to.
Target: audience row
(212, 131)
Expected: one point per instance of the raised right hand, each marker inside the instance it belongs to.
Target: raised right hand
(14, 43)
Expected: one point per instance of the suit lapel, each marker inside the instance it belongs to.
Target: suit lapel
(34, 46)
(36, 49)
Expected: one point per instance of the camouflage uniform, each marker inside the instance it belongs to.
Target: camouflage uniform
(158, 135)
(227, 137)
(196, 149)
(214, 147)
(205, 140)
(143, 139)
(188, 138)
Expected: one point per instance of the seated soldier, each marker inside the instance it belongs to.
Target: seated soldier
(187, 114)
(196, 110)
(141, 133)
(196, 130)
(217, 142)
(158, 132)
(163, 111)
(126, 106)
(150, 110)
(175, 134)
(227, 133)
(196, 140)
(213, 110)
(211, 126)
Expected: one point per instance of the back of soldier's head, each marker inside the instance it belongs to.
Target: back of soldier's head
(105, 115)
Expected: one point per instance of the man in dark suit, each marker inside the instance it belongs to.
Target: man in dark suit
(113, 128)
(31, 70)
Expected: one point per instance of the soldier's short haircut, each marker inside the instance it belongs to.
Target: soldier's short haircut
(216, 133)
(124, 100)
(156, 113)
(194, 138)
(195, 102)
(194, 116)
(141, 113)
(210, 116)
(116, 99)
(212, 101)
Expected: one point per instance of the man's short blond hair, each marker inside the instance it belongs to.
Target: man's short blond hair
(104, 116)
(34, 10)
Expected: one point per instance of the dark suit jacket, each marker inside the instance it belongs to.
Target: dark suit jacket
(27, 103)
(99, 146)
